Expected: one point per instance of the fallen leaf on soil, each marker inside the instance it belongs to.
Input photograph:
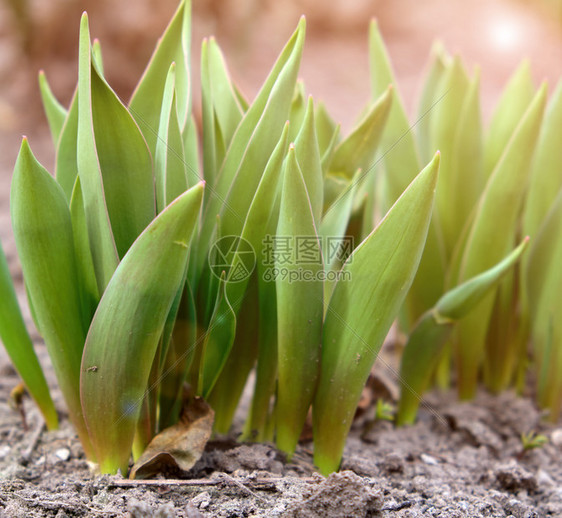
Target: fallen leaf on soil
(180, 446)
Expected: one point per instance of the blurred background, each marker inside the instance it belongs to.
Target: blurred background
(37, 34)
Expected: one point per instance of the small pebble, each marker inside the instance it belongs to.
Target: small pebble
(543, 478)
(202, 500)
(428, 459)
(63, 454)
(4, 451)
(192, 512)
(556, 437)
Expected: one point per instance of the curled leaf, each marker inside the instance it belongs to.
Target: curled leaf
(180, 446)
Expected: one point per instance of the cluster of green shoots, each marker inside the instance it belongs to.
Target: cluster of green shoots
(162, 254)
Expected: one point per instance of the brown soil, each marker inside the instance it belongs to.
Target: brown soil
(459, 460)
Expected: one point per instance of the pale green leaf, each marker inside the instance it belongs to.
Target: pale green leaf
(18, 344)
(308, 157)
(544, 284)
(66, 166)
(251, 146)
(397, 144)
(218, 341)
(509, 111)
(366, 300)
(299, 306)
(89, 294)
(169, 159)
(429, 99)
(492, 235)
(358, 150)
(104, 251)
(43, 232)
(173, 47)
(56, 114)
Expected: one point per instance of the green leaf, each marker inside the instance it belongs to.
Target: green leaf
(18, 344)
(254, 231)
(191, 150)
(299, 106)
(264, 207)
(126, 329)
(325, 129)
(358, 150)
(462, 178)
(260, 413)
(56, 114)
(89, 294)
(43, 233)
(299, 306)
(210, 166)
(336, 220)
(97, 55)
(251, 146)
(178, 359)
(492, 235)
(439, 62)
(544, 282)
(546, 174)
(218, 341)
(221, 108)
(173, 47)
(117, 179)
(66, 167)
(128, 182)
(230, 384)
(227, 107)
(429, 282)
(459, 301)
(308, 157)
(104, 251)
(366, 300)
(513, 104)
(169, 159)
(397, 144)
(446, 127)
(544, 184)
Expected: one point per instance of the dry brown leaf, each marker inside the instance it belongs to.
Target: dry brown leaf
(180, 446)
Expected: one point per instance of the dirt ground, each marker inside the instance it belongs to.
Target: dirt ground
(459, 460)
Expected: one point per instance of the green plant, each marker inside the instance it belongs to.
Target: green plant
(148, 268)
(496, 186)
(121, 251)
(384, 411)
(532, 440)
